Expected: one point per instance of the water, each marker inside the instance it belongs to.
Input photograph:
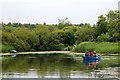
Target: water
(58, 66)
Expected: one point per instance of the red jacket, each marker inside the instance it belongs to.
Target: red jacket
(90, 53)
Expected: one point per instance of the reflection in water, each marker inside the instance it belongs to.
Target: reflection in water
(38, 66)
(53, 66)
(91, 63)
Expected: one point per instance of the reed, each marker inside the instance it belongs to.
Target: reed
(101, 47)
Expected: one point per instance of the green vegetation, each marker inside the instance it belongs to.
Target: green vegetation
(61, 36)
(103, 47)
(6, 48)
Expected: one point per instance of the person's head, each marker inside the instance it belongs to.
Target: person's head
(87, 51)
(94, 51)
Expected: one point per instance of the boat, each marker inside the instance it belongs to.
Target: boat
(91, 58)
(86, 61)
(13, 53)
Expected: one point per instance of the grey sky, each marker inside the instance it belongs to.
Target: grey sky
(49, 11)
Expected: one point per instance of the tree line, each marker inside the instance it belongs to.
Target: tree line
(41, 37)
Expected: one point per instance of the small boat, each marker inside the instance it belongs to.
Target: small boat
(91, 58)
(13, 53)
(86, 61)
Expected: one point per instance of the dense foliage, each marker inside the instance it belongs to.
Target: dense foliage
(40, 37)
(100, 47)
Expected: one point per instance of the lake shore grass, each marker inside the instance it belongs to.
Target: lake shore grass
(99, 47)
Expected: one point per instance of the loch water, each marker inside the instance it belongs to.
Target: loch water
(59, 66)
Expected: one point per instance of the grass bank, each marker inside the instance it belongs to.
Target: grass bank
(101, 47)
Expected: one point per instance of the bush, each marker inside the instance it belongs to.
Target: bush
(102, 47)
(69, 48)
(6, 48)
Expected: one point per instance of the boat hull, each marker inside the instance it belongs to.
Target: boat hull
(91, 58)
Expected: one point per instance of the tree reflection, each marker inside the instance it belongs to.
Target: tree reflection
(52, 66)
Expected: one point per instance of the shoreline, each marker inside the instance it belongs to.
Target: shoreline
(39, 52)
(52, 52)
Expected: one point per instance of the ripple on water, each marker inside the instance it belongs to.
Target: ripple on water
(111, 72)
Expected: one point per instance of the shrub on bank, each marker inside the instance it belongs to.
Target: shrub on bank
(6, 48)
(101, 47)
(69, 48)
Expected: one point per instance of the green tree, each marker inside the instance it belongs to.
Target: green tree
(8, 38)
(112, 15)
(101, 26)
(42, 32)
(63, 23)
(114, 30)
(70, 34)
(55, 40)
(103, 37)
(113, 18)
(84, 34)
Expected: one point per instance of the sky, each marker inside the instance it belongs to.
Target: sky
(49, 11)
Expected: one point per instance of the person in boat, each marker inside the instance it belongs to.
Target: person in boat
(91, 54)
(95, 54)
(86, 53)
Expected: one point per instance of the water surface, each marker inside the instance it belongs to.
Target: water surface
(58, 66)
